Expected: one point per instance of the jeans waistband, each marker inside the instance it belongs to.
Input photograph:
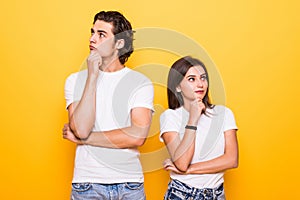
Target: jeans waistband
(195, 191)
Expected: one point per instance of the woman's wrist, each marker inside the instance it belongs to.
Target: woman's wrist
(191, 127)
(189, 170)
(192, 122)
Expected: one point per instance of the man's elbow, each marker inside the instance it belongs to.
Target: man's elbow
(234, 163)
(80, 133)
(138, 136)
(139, 142)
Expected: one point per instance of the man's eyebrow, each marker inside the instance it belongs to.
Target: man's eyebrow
(98, 31)
(101, 31)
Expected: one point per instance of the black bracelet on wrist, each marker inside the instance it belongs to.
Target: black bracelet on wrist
(191, 127)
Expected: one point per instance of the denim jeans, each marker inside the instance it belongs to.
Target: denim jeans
(119, 191)
(180, 191)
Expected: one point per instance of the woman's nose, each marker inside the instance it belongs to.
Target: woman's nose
(200, 83)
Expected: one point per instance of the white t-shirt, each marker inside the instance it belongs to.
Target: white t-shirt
(209, 143)
(117, 94)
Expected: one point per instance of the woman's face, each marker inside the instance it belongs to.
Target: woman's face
(194, 84)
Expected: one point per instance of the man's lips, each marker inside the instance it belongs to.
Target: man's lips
(92, 48)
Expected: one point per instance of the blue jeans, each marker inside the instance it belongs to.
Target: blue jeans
(180, 191)
(119, 191)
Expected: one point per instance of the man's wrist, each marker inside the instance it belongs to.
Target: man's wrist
(82, 141)
(93, 76)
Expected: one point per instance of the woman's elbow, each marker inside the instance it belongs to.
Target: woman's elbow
(181, 167)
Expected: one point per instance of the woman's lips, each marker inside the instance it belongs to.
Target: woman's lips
(199, 91)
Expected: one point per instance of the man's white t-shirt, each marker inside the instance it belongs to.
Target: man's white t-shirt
(117, 94)
(209, 143)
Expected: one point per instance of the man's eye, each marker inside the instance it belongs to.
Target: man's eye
(101, 35)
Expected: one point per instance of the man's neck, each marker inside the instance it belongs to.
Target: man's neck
(111, 65)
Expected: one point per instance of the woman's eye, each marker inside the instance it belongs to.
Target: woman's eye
(191, 79)
(203, 78)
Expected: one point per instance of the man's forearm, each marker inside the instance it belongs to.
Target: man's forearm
(82, 115)
(130, 137)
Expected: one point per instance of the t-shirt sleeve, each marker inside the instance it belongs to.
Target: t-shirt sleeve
(168, 123)
(69, 90)
(143, 96)
(74, 87)
(229, 120)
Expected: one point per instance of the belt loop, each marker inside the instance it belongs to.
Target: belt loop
(194, 192)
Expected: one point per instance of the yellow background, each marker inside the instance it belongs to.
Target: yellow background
(254, 44)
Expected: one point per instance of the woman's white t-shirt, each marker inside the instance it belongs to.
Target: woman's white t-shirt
(209, 143)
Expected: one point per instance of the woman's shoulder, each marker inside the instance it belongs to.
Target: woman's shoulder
(170, 120)
(171, 112)
(221, 110)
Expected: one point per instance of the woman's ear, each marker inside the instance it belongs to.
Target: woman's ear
(120, 43)
(178, 89)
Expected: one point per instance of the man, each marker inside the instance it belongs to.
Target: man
(110, 109)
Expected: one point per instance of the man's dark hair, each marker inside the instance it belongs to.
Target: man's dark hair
(121, 29)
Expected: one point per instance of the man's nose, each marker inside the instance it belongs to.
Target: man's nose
(93, 38)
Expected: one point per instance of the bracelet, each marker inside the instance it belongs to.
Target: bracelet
(191, 127)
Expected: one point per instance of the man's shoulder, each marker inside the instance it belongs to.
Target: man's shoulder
(77, 75)
(136, 77)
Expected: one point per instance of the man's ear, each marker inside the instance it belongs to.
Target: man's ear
(120, 43)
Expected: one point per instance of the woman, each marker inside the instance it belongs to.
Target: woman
(200, 137)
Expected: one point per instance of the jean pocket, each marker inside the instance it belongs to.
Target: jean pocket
(220, 191)
(81, 187)
(133, 185)
(175, 194)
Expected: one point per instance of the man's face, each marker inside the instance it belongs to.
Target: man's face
(102, 39)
